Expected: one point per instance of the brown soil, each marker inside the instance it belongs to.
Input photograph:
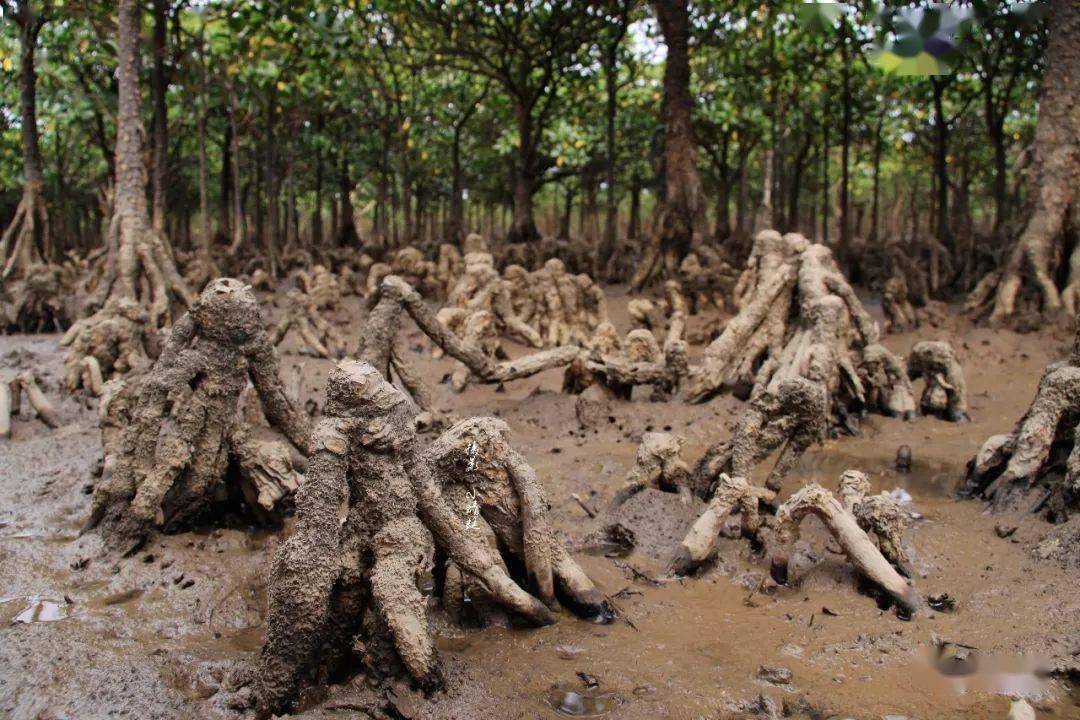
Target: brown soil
(158, 635)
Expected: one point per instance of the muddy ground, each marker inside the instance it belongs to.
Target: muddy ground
(159, 635)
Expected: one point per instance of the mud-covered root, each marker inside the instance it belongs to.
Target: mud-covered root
(5, 410)
(400, 550)
(481, 289)
(620, 366)
(895, 303)
(885, 384)
(799, 317)
(91, 376)
(945, 394)
(867, 560)
(879, 515)
(732, 494)
(658, 464)
(115, 336)
(1037, 465)
(411, 265)
(396, 298)
(321, 286)
(791, 416)
(494, 490)
(37, 300)
(266, 467)
(11, 394)
(448, 267)
(318, 336)
(168, 434)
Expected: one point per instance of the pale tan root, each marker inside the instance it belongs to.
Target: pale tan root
(5, 410)
(658, 464)
(731, 495)
(41, 404)
(92, 378)
(945, 393)
(479, 471)
(815, 500)
(1038, 463)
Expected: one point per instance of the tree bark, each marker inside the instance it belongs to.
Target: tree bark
(845, 153)
(347, 235)
(941, 164)
(159, 86)
(634, 230)
(681, 202)
(1054, 175)
(28, 234)
(523, 228)
(205, 237)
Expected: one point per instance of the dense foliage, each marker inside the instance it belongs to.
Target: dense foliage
(318, 114)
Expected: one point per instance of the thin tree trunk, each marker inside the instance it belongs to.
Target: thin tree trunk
(845, 147)
(523, 228)
(878, 149)
(681, 203)
(159, 86)
(205, 237)
(28, 235)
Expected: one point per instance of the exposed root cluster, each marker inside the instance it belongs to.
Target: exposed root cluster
(322, 287)
(317, 335)
(116, 337)
(480, 305)
(798, 317)
(945, 392)
(619, 365)
(170, 434)
(35, 301)
(11, 394)
(1037, 464)
(846, 525)
(791, 417)
(344, 589)
(905, 297)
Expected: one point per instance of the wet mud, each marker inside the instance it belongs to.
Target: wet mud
(170, 631)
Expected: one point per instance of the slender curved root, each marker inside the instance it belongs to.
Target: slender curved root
(853, 540)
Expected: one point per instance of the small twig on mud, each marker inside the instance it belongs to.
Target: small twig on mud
(581, 503)
(619, 611)
(637, 574)
(627, 592)
(748, 601)
(214, 607)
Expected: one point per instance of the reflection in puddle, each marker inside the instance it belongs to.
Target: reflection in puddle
(925, 478)
(581, 703)
(38, 610)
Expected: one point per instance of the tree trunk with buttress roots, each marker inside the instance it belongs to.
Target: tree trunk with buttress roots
(28, 234)
(682, 200)
(1054, 176)
(140, 269)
